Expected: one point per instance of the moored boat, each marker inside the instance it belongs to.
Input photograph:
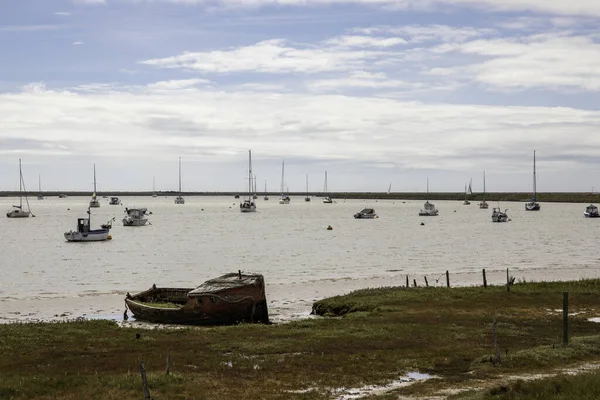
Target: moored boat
(229, 299)
(19, 211)
(114, 201)
(483, 205)
(135, 217)
(533, 205)
(591, 211)
(499, 216)
(366, 213)
(84, 233)
(428, 209)
(249, 205)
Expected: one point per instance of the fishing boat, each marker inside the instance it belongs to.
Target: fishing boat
(94, 202)
(533, 205)
(591, 211)
(114, 201)
(179, 199)
(40, 195)
(266, 197)
(428, 209)
(229, 299)
(483, 205)
(467, 192)
(499, 216)
(85, 233)
(135, 216)
(327, 198)
(18, 211)
(249, 205)
(366, 213)
(307, 198)
(154, 186)
(284, 198)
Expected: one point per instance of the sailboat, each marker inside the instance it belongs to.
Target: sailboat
(154, 187)
(284, 198)
(483, 205)
(468, 192)
(249, 205)
(179, 199)
(428, 209)
(533, 205)
(266, 197)
(307, 198)
(327, 198)
(40, 195)
(94, 202)
(17, 211)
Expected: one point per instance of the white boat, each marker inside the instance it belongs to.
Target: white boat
(266, 197)
(248, 205)
(114, 201)
(40, 195)
(179, 199)
(307, 198)
(135, 217)
(284, 198)
(94, 202)
(468, 192)
(428, 209)
(18, 211)
(84, 233)
(366, 213)
(327, 198)
(499, 216)
(483, 205)
(591, 211)
(154, 187)
(533, 205)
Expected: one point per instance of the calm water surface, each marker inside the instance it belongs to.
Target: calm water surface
(289, 244)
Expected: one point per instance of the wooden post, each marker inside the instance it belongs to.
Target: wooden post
(565, 318)
(447, 278)
(144, 383)
(507, 281)
(496, 348)
(415, 282)
(484, 279)
(168, 369)
(426, 283)
(407, 285)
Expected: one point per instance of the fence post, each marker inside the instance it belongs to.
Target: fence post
(447, 278)
(484, 279)
(426, 283)
(407, 285)
(144, 382)
(507, 281)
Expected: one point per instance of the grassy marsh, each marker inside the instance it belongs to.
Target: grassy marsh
(370, 336)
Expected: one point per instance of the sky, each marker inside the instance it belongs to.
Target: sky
(376, 92)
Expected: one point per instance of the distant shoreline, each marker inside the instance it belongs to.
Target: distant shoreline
(550, 197)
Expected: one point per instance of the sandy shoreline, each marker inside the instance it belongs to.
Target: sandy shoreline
(287, 301)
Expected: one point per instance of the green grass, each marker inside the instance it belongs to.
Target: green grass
(375, 336)
(160, 305)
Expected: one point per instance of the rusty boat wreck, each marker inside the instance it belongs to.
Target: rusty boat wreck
(229, 299)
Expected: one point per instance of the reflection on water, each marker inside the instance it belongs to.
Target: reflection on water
(208, 236)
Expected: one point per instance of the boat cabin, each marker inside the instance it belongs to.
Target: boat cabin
(114, 201)
(83, 225)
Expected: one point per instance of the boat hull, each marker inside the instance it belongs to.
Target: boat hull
(18, 214)
(244, 303)
(179, 200)
(532, 207)
(97, 235)
(128, 221)
(363, 216)
(500, 219)
(484, 206)
(591, 215)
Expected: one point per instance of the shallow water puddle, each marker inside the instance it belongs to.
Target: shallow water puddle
(406, 380)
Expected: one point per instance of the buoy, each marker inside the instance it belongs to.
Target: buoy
(422, 223)
(329, 228)
(377, 216)
(454, 210)
(202, 209)
(109, 237)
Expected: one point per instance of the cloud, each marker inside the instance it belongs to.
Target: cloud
(365, 41)
(269, 56)
(425, 33)
(177, 84)
(28, 28)
(77, 42)
(359, 79)
(62, 13)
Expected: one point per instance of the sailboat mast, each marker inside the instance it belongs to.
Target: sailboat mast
(427, 196)
(534, 179)
(265, 187)
(282, 175)
(154, 184)
(180, 176)
(325, 188)
(484, 186)
(250, 178)
(306, 185)
(94, 180)
(20, 186)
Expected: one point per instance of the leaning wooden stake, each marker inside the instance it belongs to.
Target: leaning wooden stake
(168, 369)
(565, 318)
(484, 279)
(426, 283)
(447, 279)
(507, 281)
(407, 285)
(144, 383)
(415, 282)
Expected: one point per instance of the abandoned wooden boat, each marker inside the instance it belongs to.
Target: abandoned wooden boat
(229, 299)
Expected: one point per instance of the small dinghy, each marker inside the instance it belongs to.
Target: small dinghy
(135, 217)
(367, 213)
(84, 233)
(591, 211)
(229, 299)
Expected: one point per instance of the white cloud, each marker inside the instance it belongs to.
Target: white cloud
(77, 42)
(177, 84)
(359, 79)
(424, 33)
(272, 56)
(365, 41)
(27, 28)
(62, 13)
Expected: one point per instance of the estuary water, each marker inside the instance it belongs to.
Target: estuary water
(42, 275)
